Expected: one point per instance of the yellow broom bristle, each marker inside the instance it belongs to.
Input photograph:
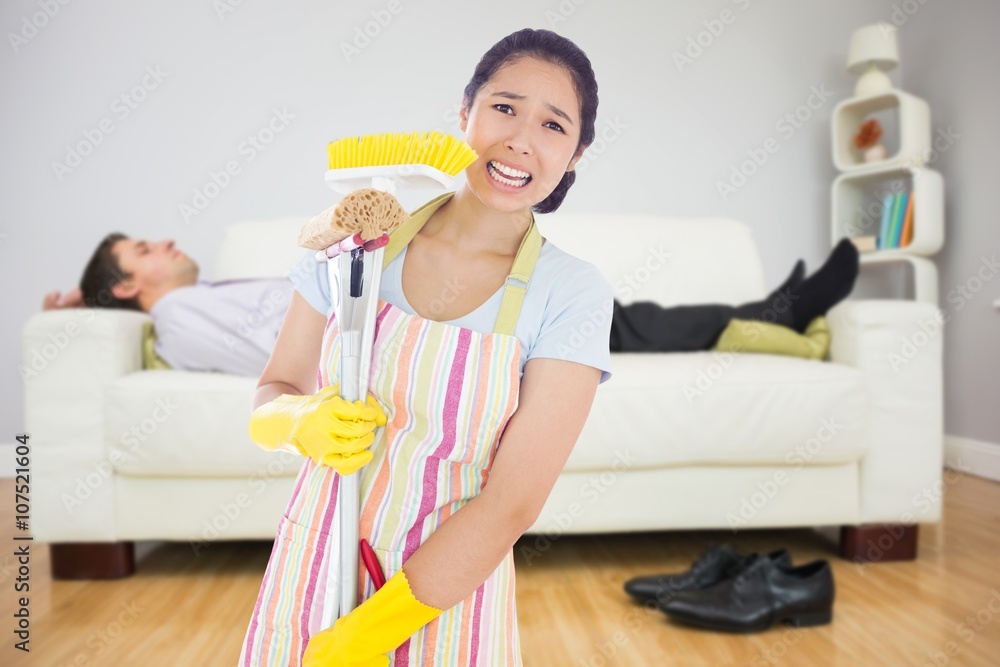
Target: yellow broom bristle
(435, 149)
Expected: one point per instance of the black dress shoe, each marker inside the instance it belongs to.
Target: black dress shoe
(761, 595)
(713, 566)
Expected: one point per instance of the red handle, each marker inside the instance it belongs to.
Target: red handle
(371, 564)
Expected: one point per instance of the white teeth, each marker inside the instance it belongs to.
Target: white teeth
(509, 171)
(497, 176)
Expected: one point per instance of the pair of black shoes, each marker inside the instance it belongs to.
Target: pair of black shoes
(727, 591)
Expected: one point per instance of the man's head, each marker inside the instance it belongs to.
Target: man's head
(134, 274)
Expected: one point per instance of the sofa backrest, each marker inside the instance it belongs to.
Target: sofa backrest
(670, 261)
(259, 249)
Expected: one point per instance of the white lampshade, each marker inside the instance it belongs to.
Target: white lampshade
(873, 52)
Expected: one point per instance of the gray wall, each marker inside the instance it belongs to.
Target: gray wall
(673, 134)
(951, 61)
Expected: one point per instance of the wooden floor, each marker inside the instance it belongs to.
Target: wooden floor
(182, 609)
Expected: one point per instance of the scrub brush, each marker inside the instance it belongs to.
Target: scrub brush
(368, 170)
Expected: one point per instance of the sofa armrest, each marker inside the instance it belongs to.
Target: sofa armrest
(70, 357)
(898, 346)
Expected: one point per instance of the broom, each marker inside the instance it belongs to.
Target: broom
(368, 170)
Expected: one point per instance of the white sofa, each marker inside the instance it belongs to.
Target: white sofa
(674, 441)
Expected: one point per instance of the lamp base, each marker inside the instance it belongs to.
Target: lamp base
(872, 81)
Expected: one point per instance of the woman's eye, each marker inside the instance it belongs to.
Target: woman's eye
(505, 106)
(556, 126)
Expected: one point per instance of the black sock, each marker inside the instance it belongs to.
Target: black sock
(831, 284)
(776, 307)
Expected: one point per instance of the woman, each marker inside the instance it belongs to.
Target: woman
(476, 384)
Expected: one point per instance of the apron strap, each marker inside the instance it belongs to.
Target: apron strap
(400, 237)
(520, 273)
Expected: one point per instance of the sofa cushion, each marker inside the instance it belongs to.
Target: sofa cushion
(723, 408)
(183, 423)
(784, 410)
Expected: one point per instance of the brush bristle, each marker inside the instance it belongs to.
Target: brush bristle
(435, 149)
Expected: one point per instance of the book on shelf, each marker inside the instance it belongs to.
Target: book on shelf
(896, 230)
(907, 224)
(865, 243)
(899, 208)
(883, 232)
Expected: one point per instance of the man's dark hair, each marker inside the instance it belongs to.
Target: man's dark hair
(104, 272)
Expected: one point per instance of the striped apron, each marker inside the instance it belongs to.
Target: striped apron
(448, 393)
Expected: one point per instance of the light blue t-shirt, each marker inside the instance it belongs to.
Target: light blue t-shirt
(566, 312)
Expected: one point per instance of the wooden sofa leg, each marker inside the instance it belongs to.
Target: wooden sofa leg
(92, 560)
(877, 543)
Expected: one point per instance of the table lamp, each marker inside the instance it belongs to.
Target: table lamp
(872, 53)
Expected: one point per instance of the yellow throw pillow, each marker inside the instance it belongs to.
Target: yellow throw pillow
(768, 338)
(151, 361)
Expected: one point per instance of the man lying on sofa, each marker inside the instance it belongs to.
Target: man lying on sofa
(230, 326)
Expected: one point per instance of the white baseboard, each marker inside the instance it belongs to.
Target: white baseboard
(979, 458)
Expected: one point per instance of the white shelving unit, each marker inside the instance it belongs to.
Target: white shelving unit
(857, 193)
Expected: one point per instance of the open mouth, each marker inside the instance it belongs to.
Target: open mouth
(507, 175)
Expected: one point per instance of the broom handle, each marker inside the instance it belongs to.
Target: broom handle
(356, 320)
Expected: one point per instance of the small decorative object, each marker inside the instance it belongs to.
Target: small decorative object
(867, 140)
(872, 53)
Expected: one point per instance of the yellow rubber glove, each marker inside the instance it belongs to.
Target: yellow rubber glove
(323, 426)
(364, 637)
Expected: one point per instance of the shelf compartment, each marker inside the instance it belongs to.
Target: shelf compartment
(905, 119)
(923, 275)
(857, 206)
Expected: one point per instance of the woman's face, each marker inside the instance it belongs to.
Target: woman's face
(525, 126)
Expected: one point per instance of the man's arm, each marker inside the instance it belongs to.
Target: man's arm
(457, 558)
